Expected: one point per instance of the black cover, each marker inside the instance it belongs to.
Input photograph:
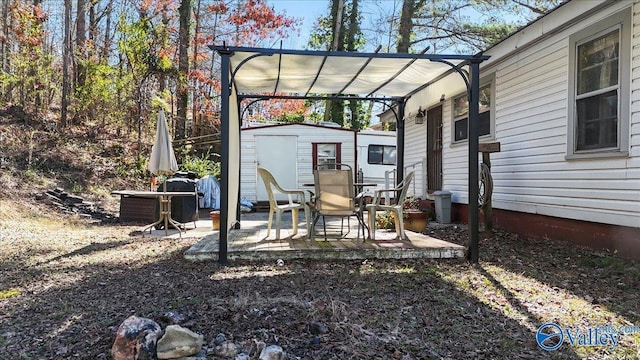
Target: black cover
(183, 208)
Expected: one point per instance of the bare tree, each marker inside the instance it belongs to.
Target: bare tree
(81, 40)
(5, 45)
(183, 68)
(65, 63)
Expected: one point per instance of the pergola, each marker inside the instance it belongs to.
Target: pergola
(259, 73)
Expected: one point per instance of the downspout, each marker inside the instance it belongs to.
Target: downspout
(225, 148)
(474, 140)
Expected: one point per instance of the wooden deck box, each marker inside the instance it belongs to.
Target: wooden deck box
(138, 209)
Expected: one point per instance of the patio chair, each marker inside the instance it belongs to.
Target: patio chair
(334, 197)
(274, 188)
(396, 209)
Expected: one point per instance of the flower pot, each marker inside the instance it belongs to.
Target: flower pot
(215, 218)
(415, 221)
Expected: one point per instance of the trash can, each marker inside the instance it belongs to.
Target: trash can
(443, 206)
(184, 209)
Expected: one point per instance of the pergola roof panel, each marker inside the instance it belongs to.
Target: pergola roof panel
(298, 72)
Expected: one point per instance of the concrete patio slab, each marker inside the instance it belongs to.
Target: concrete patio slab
(251, 243)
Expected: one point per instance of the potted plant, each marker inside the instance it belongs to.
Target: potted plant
(415, 218)
(386, 220)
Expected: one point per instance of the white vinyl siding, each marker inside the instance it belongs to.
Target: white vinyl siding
(415, 150)
(532, 173)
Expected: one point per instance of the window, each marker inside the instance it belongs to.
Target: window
(326, 153)
(381, 154)
(461, 114)
(599, 89)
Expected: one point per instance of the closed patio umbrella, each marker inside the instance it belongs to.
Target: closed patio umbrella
(163, 159)
(163, 162)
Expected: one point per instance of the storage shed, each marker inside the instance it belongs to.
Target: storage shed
(290, 152)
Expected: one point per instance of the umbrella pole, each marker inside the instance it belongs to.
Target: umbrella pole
(166, 202)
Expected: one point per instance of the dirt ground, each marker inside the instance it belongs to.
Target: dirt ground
(66, 285)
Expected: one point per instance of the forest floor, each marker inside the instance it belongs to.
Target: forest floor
(67, 283)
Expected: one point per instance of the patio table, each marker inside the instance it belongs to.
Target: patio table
(165, 206)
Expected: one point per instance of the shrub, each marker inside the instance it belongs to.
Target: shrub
(201, 165)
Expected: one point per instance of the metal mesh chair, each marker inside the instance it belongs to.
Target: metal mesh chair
(334, 196)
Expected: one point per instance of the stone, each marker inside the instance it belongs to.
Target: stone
(317, 328)
(242, 356)
(179, 342)
(173, 318)
(220, 338)
(272, 352)
(226, 350)
(136, 339)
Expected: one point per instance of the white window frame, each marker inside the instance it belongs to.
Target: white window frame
(489, 80)
(622, 22)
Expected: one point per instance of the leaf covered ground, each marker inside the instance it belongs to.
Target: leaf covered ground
(66, 285)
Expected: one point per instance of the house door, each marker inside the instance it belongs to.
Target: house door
(278, 154)
(434, 149)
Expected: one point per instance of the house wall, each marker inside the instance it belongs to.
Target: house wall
(306, 135)
(531, 173)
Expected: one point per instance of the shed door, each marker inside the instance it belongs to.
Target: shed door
(278, 154)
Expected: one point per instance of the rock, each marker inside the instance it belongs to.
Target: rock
(272, 352)
(136, 339)
(242, 356)
(173, 318)
(72, 199)
(202, 355)
(317, 328)
(220, 338)
(227, 350)
(179, 342)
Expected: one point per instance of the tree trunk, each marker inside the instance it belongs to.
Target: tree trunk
(93, 28)
(5, 47)
(332, 110)
(65, 63)
(183, 68)
(107, 32)
(194, 111)
(406, 26)
(354, 28)
(81, 40)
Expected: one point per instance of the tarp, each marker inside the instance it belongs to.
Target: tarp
(210, 188)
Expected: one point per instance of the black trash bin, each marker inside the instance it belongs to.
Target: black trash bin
(184, 209)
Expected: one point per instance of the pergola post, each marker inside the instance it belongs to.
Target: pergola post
(474, 140)
(224, 149)
(400, 141)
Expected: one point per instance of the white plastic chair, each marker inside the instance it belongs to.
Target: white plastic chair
(397, 208)
(274, 188)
